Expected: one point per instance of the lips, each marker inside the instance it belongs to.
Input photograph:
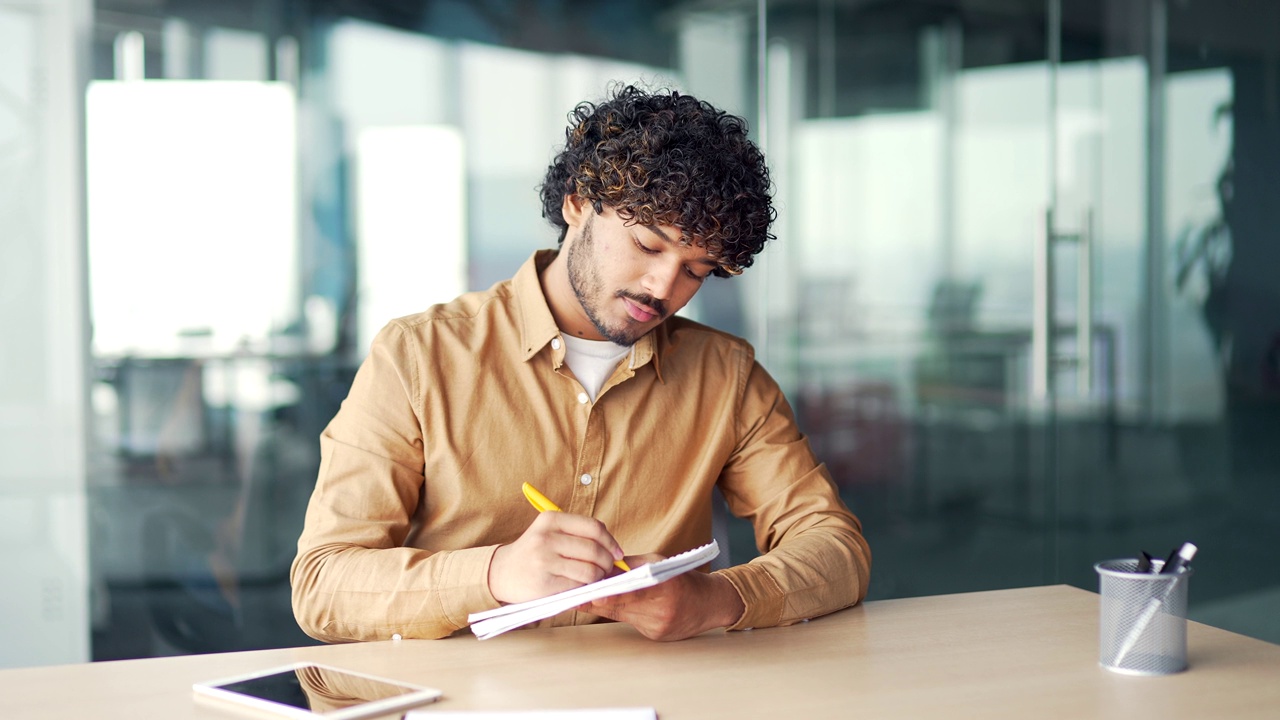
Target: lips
(638, 312)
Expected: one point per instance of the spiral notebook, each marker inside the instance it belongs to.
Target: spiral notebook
(492, 623)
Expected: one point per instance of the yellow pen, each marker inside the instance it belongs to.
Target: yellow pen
(540, 501)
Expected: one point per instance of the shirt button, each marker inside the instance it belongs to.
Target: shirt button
(582, 398)
(555, 343)
(585, 479)
(396, 636)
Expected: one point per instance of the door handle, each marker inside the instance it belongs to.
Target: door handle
(1084, 306)
(1044, 356)
(1042, 325)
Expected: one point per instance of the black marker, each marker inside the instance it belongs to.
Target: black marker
(1177, 562)
(1144, 562)
(1178, 559)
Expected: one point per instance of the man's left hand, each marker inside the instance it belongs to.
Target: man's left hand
(684, 606)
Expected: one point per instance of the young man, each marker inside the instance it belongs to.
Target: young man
(576, 376)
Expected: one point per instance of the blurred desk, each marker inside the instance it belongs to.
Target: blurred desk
(187, 404)
(203, 466)
(1003, 654)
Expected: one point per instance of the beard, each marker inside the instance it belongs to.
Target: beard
(588, 288)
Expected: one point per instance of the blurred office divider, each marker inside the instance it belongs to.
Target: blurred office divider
(44, 359)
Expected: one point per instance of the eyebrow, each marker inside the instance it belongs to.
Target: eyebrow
(654, 229)
(706, 261)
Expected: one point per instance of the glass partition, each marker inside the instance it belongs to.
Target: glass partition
(1026, 322)
(919, 146)
(1175, 159)
(43, 420)
(262, 202)
(1021, 297)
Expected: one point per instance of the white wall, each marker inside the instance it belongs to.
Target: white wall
(44, 616)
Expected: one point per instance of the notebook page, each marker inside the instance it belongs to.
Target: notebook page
(494, 622)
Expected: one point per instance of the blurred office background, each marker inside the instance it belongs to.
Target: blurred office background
(1023, 297)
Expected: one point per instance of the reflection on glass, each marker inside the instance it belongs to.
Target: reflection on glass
(912, 151)
(924, 152)
(419, 162)
(1198, 156)
(327, 688)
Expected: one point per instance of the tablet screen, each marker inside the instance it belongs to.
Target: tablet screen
(314, 688)
(282, 687)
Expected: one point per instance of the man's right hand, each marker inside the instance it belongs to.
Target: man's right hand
(558, 552)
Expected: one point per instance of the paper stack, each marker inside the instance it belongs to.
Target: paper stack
(491, 623)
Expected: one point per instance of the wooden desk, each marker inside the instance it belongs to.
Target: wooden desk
(1003, 654)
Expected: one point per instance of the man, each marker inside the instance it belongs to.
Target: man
(576, 376)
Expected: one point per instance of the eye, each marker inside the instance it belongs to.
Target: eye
(644, 248)
(688, 271)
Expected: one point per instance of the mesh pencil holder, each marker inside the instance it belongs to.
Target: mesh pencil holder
(1142, 627)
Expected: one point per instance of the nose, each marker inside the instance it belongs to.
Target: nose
(661, 280)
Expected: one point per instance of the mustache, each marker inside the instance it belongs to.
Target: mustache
(647, 300)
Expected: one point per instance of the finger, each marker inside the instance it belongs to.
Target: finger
(605, 603)
(575, 572)
(584, 527)
(647, 618)
(601, 609)
(577, 549)
(558, 584)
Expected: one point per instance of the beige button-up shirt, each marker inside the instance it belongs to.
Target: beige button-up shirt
(455, 407)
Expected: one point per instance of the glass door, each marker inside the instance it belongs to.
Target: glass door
(1168, 155)
(1099, 259)
(917, 150)
(1023, 298)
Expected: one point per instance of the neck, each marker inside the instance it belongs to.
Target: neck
(563, 303)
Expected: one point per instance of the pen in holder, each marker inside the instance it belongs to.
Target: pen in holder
(1143, 620)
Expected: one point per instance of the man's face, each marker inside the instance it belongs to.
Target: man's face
(628, 278)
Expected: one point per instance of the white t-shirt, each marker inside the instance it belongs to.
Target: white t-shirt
(592, 361)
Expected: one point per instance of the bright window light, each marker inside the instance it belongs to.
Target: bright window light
(411, 226)
(192, 198)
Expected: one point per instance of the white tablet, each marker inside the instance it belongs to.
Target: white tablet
(307, 691)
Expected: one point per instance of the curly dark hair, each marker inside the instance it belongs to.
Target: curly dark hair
(667, 158)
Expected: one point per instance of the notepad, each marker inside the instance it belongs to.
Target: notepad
(492, 623)
(636, 713)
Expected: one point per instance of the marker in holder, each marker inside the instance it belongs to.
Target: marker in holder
(1143, 617)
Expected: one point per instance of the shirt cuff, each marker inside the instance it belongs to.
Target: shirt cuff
(761, 594)
(468, 572)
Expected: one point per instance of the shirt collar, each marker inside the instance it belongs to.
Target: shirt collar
(538, 327)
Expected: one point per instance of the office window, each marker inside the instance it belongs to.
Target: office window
(935, 166)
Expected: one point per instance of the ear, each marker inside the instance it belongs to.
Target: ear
(575, 209)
